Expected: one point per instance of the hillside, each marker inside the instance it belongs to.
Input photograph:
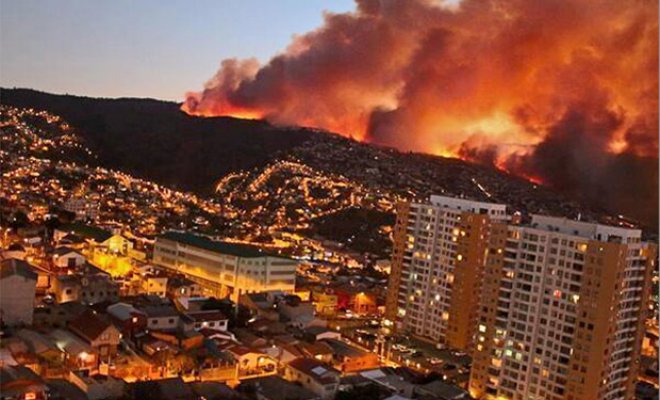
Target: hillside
(154, 140)
(277, 176)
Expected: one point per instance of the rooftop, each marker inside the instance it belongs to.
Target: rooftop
(14, 266)
(584, 229)
(234, 249)
(87, 231)
(316, 370)
(89, 325)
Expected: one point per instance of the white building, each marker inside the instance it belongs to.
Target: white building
(66, 257)
(224, 269)
(83, 208)
(18, 282)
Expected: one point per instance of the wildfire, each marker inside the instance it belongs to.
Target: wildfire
(530, 87)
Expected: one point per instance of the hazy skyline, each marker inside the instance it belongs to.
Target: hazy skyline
(146, 48)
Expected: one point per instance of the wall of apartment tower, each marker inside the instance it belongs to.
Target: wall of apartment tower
(610, 322)
(489, 346)
(400, 239)
(472, 244)
(561, 317)
(437, 263)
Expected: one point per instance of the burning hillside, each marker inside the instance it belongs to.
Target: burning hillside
(560, 92)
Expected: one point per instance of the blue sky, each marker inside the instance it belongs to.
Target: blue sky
(142, 48)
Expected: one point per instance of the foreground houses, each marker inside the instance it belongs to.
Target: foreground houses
(100, 334)
(314, 375)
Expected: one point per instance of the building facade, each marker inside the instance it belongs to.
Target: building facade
(224, 269)
(562, 311)
(18, 282)
(437, 264)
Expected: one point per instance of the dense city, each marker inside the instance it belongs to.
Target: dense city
(115, 287)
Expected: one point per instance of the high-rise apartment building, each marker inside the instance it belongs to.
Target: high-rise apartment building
(562, 311)
(437, 264)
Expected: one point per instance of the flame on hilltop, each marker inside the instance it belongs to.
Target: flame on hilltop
(562, 91)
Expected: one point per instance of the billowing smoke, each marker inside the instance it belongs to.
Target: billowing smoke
(565, 92)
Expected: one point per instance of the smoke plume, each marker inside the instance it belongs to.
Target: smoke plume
(564, 92)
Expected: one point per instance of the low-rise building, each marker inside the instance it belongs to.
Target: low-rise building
(211, 319)
(314, 375)
(18, 282)
(180, 286)
(349, 358)
(222, 268)
(161, 317)
(97, 332)
(66, 257)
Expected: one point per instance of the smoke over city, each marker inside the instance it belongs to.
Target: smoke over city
(560, 92)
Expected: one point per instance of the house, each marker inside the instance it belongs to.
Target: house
(351, 359)
(99, 333)
(357, 300)
(318, 350)
(89, 288)
(314, 375)
(71, 240)
(78, 354)
(387, 379)
(325, 301)
(180, 286)
(154, 284)
(247, 338)
(260, 304)
(276, 388)
(66, 288)
(21, 383)
(15, 250)
(98, 288)
(283, 353)
(41, 346)
(54, 316)
(127, 318)
(251, 361)
(295, 312)
(18, 283)
(209, 319)
(163, 317)
(66, 257)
